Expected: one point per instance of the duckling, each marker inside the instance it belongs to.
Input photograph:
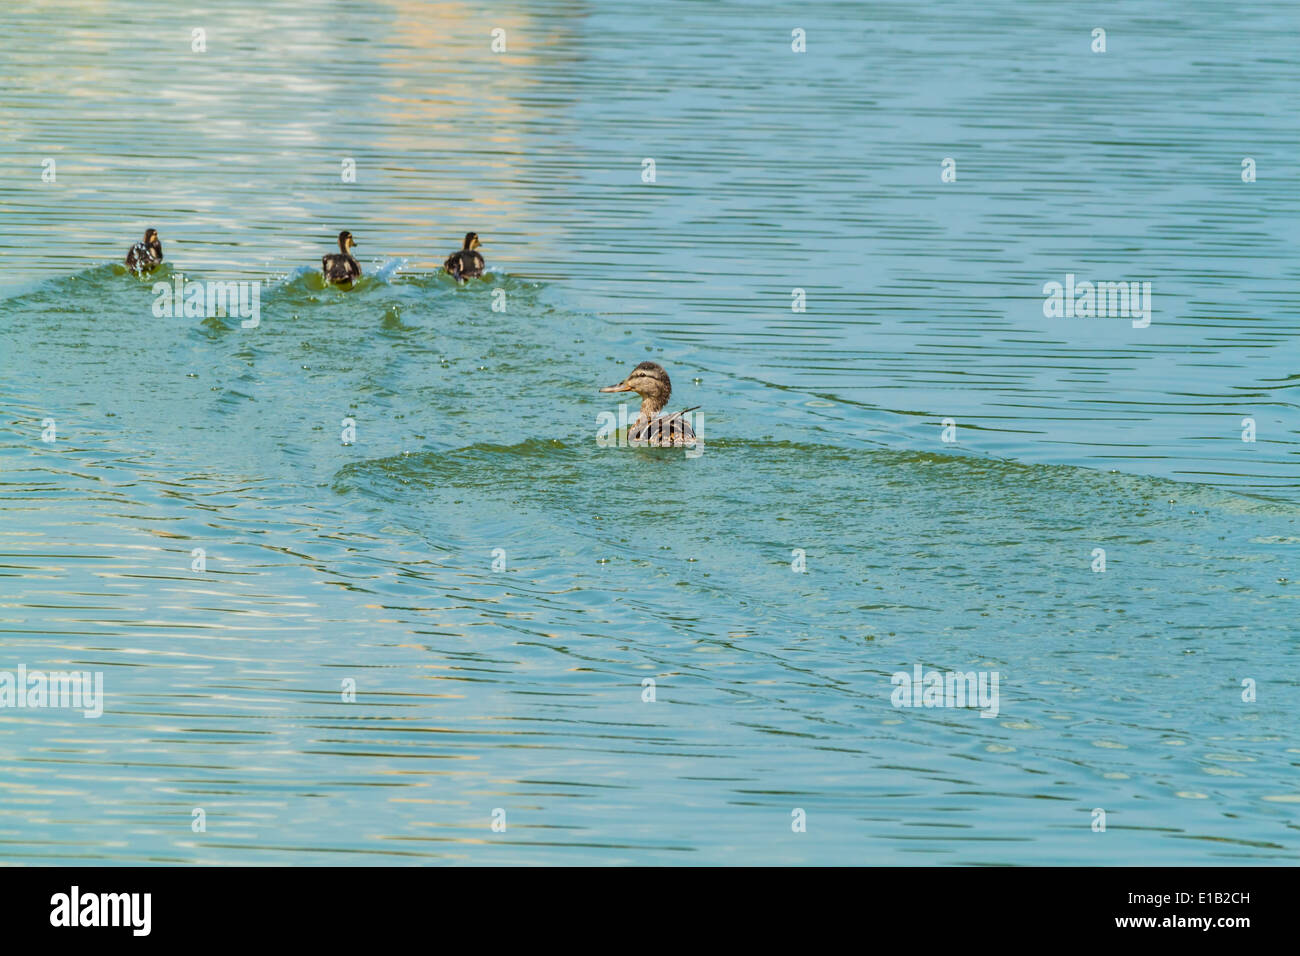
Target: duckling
(651, 382)
(341, 268)
(466, 263)
(146, 255)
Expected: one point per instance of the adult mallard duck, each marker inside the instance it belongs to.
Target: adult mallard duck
(341, 268)
(146, 255)
(466, 263)
(651, 382)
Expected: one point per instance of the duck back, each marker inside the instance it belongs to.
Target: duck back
(340, 268)
(140, 258)
(665, 432)
(465, 264)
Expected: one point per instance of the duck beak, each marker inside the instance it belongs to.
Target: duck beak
(620, 387)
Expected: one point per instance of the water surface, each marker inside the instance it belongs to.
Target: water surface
(520, 688)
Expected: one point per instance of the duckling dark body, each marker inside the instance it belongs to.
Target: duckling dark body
(651, 382)
(466, 262)
(340, 267)
(146, 255)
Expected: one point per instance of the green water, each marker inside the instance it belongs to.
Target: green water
(498, 584)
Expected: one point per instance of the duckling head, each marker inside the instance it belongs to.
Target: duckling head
(346, 241)
(650, 381)
(471, 241)
(151, 242)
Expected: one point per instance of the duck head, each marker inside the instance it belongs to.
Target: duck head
(471, 241)
(346, 241)
(152, 244)
(651, 382)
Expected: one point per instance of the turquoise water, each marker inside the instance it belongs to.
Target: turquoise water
(520, 688)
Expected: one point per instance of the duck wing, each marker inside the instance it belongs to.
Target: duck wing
(453, 265)
(668, 430)
(139, 257)
(340, 268)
